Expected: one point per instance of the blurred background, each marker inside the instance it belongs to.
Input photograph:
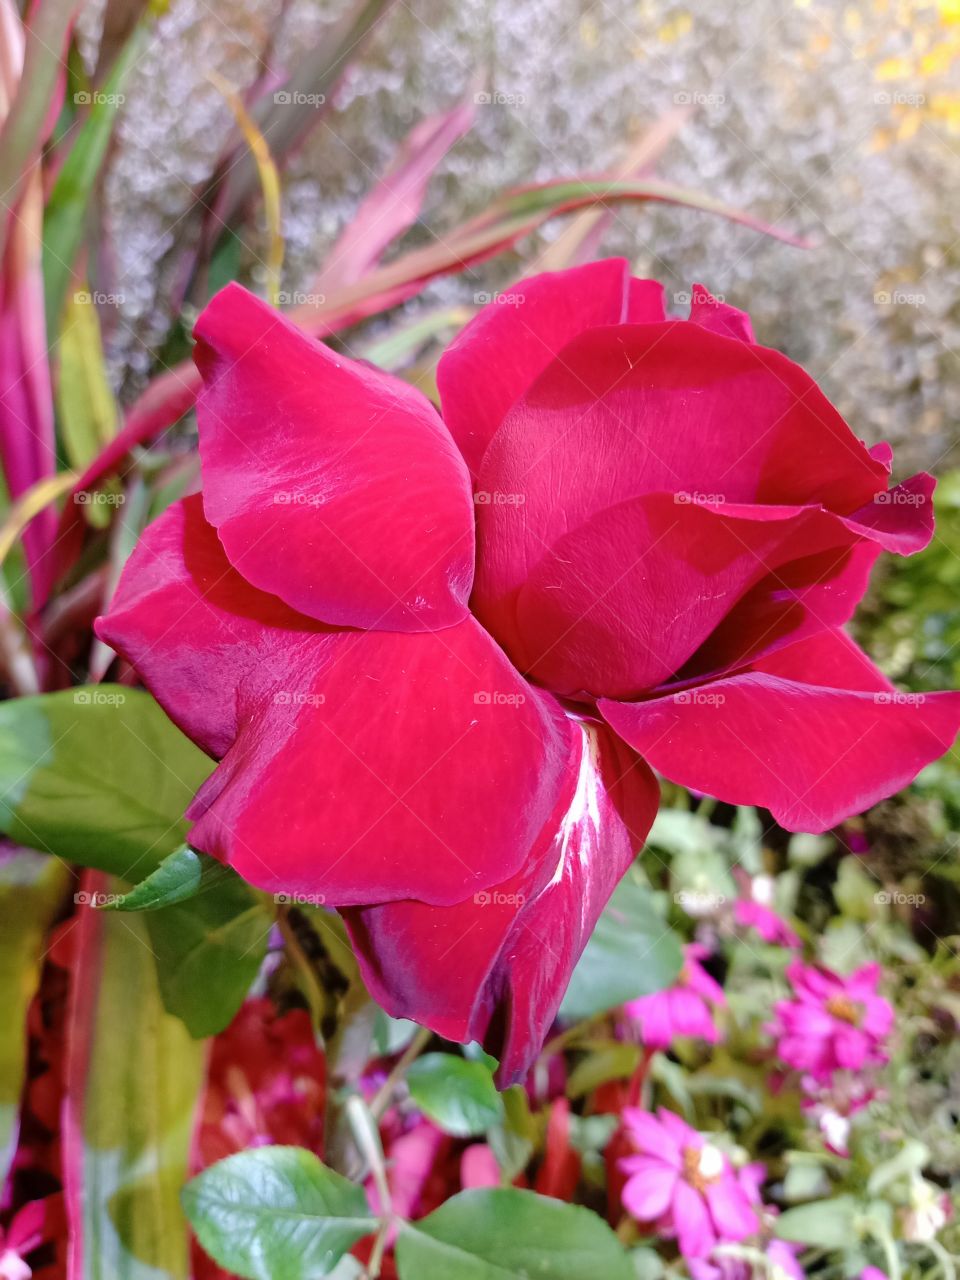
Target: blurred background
(838, 121)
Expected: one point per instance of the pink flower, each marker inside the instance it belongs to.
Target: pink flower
(684, 1009)
(436, 655)
(25, 1233)
(756, 912)
(832, 1023)
(684, 1184)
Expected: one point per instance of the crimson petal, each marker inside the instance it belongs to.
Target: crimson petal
(192, 627)
(379, 765)
(494, 968)
(711, 313)
(503, 349)
(622, 602)
(812, 732)
(638, 409)
(332, 485)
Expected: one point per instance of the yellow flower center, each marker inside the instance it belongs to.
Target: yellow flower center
(702, 1166)
(843, 1008)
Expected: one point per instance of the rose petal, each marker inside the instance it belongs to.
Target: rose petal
(718, 317)
(192, 627)
(814, 733)
(495, 967)
(503, 349)
(638, 409)
(376, 766)
(332, 485)
(622, 602)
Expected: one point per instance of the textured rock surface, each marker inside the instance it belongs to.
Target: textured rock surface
(838, 121)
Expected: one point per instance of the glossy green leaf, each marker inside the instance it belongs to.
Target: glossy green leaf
(209, 950)
(97, 776)
(458, 1095)
(276, 1213)
(632, 953)
(31, 890)
(134, 1076)
(181, 875)
(505, 1234)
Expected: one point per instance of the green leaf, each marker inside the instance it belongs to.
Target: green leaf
(455, 1094)
(21, 136)
(276, 1213)
(64, 222)
(86, 409)
(98, 776)
(505, 1234)
(134, 1076)
(31, 890)
(603, 1062)
(209, 950)
(181, 875)
(632, 953)
(828, 1224)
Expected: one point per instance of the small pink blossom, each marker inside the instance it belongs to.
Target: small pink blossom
(756, 912)
(832, 1023)
(24, 1234)
(685, 1009)
(684, 1184)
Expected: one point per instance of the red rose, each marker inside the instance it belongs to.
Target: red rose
(428, 650)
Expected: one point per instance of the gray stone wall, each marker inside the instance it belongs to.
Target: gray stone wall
(839, 121)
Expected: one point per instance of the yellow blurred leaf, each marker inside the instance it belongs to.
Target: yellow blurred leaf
(86, 408)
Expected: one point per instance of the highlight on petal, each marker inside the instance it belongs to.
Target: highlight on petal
(502, 350)
(374, 766)
(494, 968)
(331, 485)
(813, 732)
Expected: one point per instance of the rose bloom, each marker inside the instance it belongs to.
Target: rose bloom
(439, 654)
(684, 1184)
(685, 1009)
(832, 1023)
